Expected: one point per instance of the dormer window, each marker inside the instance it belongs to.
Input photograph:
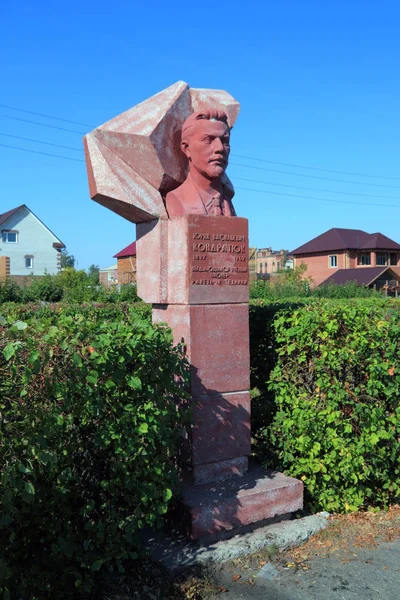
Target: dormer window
(10, 237)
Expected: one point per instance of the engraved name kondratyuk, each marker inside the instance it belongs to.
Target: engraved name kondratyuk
(206, 246)
(227, 248)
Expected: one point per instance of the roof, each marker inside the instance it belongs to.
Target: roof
(111, 268)
(360, 275)
(378, 241)
(5, 216)
(346, 239)
(128, 251)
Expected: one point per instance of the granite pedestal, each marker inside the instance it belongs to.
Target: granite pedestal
(194, 271)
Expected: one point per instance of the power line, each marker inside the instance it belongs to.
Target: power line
(299, 187)
(236, 155)
(43, 153)
(18, 137)
(238, 188)
(31, 112)
(42, 124)
(315, 176)
(235, 164)
(75, 149)
(273, 162)
(318, 199)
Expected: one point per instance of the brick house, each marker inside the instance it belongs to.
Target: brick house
(27, 246)
(343, 252)
(252, 263)
(126, 264)
(270, 261)
(109, 275)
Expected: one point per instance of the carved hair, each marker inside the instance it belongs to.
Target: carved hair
(211, 114)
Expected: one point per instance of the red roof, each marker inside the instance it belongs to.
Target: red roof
(5, 216)
(128, 251)
(347, 239)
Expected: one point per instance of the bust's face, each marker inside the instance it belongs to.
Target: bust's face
(208, 148)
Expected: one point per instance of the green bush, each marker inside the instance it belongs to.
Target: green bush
(350, 289)
(47, 288)
(88, 427)
(69, 286)
(9, 291)
(263, 360)
(336, 390)
(94, 311)
(287, 286)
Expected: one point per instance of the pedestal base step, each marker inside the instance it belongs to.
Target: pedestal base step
(260, 494)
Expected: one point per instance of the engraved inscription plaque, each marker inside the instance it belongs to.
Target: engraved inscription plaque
(218, 259)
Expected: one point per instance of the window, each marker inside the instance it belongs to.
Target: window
(10, 237)
(333, 261)
(364, 259)
(273, 267)
(260, 267)
(266, 267)
(278, 265)
(381, 259)
(29, 262)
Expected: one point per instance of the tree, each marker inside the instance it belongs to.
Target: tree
(93, 273)
(67, 260)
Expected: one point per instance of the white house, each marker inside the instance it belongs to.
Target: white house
(31, 247)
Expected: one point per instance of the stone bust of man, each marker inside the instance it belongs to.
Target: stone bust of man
(205, 142)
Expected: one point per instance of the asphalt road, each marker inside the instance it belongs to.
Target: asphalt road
(371, 575)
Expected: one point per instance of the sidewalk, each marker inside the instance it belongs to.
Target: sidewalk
(357, 557)
(368, 574)
(347, 557)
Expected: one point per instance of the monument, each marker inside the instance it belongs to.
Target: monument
(162, 166)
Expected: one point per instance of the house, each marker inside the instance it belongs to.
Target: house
(126, 264)
(27, 246)
(109, 275)
(340, 254)
(386, 278)
(270, 261)
(252, 263)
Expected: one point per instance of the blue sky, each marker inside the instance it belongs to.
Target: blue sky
(318, 84)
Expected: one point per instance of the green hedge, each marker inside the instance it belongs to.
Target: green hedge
(67, 286)
(291, 284)
(334, 418)
(87, 440)
(88, 424)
